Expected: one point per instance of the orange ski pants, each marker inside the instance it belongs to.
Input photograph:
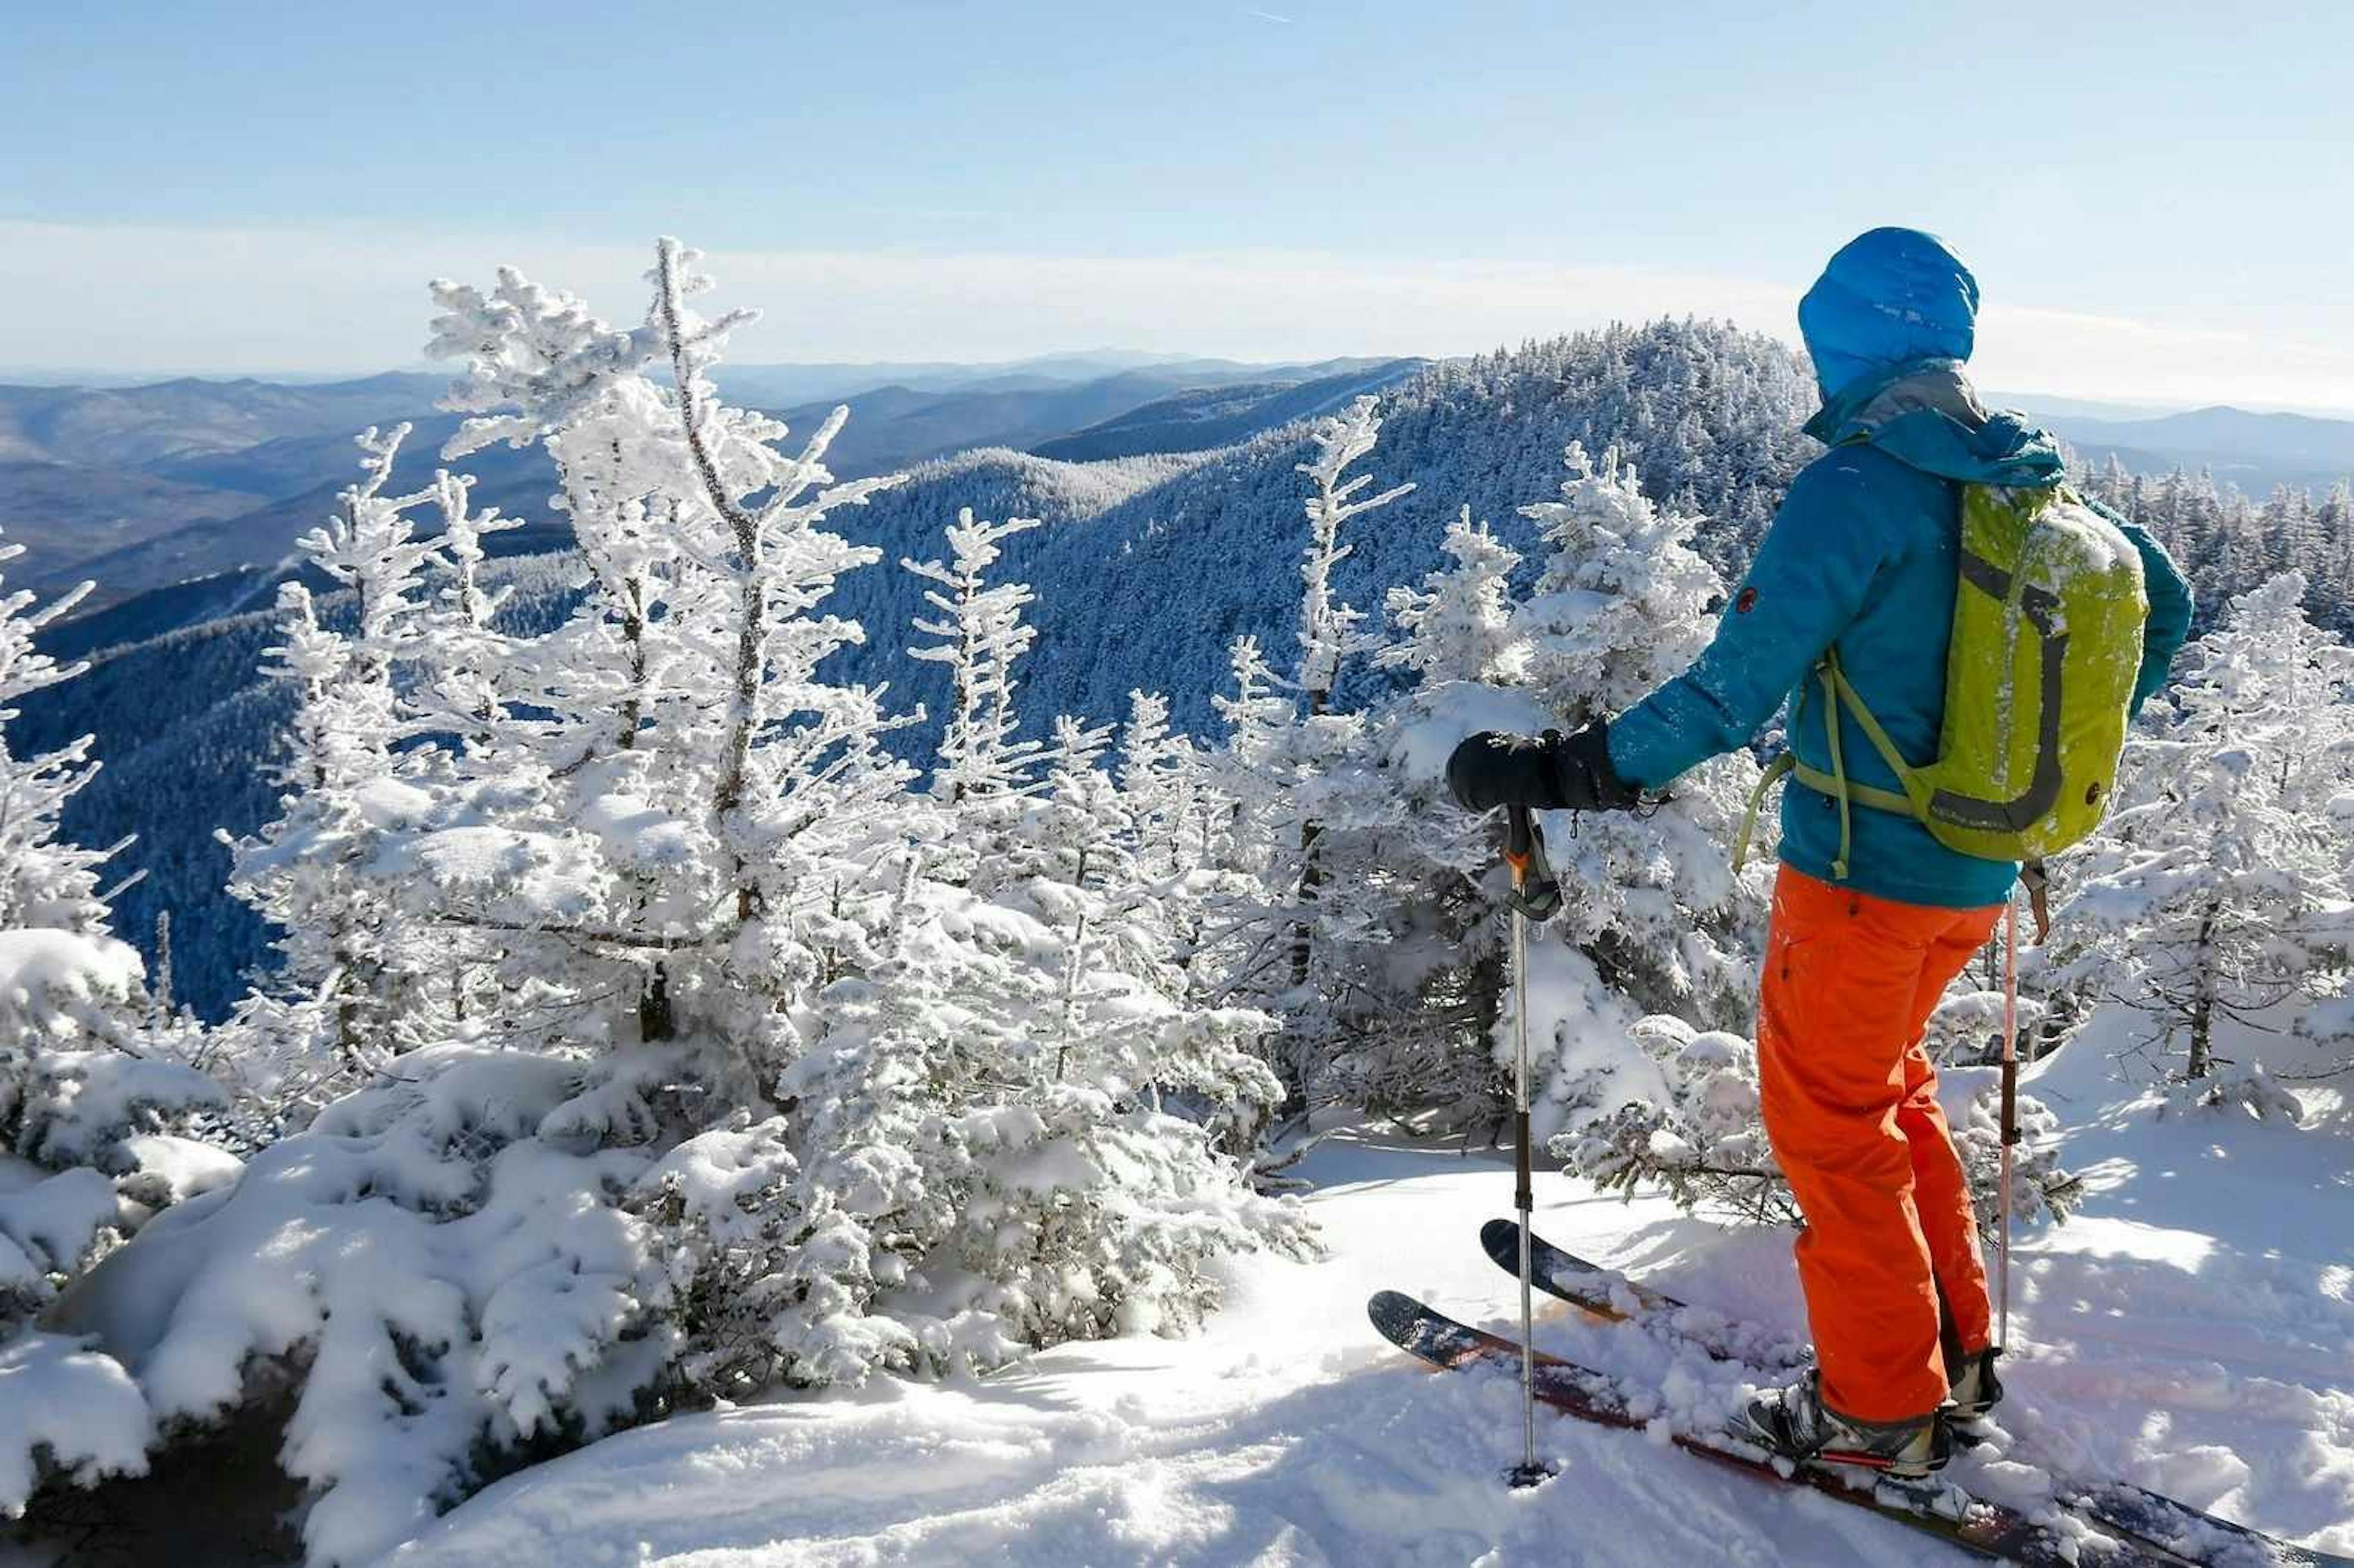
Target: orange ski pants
(1851, 1106)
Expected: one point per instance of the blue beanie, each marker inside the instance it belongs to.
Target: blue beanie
(1891, 297)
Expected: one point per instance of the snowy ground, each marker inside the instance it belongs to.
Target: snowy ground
(2193, 1330)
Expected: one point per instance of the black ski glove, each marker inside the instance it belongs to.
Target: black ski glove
(1552, 772)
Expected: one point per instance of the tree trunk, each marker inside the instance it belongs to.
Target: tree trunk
(655, 1019)
(2202, 1009)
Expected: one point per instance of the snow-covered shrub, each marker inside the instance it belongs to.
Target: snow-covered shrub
(1701, 1138)
(2243, 1086)
(2216, 889)
(1965, 1028)
(2040, 1188)
(442, 1268)
(1697, 1132)
(986, 1091)
(93, 1098)
(771, 1277)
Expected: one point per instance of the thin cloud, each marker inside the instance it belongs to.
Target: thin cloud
(1268, 15)
(152, 298)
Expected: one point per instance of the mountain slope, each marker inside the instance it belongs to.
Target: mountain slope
(1153, 589)
(891, 427)
(779, 386)
(1203, 418)
(185, 525)
(130, 425)
(65, 513)
(1148, 570)
(517, 481)
(2254, 452)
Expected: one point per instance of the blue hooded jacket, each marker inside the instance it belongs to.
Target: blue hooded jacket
(1864, 553)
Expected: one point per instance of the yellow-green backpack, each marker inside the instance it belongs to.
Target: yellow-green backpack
(2048, 615)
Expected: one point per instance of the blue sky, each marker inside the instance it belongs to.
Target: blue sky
(2153, 195)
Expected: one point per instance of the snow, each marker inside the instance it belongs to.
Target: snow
(79, 1409)
(2193, 1330)
(45, 974)
(48, 1227)
(173, 1168)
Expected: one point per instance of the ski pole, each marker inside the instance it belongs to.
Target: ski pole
(2009, 1101)
(1522, 852)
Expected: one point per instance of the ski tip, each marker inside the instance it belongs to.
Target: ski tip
(1392, 1312)
(1501, 1240)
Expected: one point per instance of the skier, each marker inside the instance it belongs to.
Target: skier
(1873, 914)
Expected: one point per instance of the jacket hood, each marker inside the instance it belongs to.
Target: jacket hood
(1927, 416)
(1889, 299)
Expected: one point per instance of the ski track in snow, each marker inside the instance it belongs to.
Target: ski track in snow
(2193, 1330)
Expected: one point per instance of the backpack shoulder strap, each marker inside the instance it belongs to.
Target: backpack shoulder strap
(1837, 694)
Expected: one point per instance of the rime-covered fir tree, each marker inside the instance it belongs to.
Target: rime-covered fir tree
(1657, 920)
(93, 1104)
(2212, 895)
(344, 996)
(1421, 965)
(750, 1079)
(1031, 1013)
(663, 834)
(984, 768)
(1289, 749)
(1330, 636)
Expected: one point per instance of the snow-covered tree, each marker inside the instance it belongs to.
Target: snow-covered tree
(1623, 605)
(79, 1082)
(1330, 636)
(980, 635)
(2212, 893)
(983, 768)
(462, 694)
(752, 1079)
(1157, 772)
(93, 1099)
(1687, 1120)
(1459, 625)
(1419, 965)
(345, 992)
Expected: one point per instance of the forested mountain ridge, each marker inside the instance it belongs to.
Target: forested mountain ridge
(1204, 417)
(146, 488)
(1148, 568)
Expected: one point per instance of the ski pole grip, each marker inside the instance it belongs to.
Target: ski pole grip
(1525, 1196)
(1520, 839)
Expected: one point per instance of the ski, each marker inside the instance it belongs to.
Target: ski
(1607, 1293)
(2119, 1506)
(1933, 1507)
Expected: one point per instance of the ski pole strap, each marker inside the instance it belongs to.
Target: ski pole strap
(2038, 883)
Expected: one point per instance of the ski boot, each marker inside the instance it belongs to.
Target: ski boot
(1793, 1423)
(1976, 1390)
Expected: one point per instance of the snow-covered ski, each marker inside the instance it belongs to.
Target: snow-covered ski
(1933, 1507)
(2118, 1506)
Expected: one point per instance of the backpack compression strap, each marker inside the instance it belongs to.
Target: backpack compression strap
(1837, 694)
